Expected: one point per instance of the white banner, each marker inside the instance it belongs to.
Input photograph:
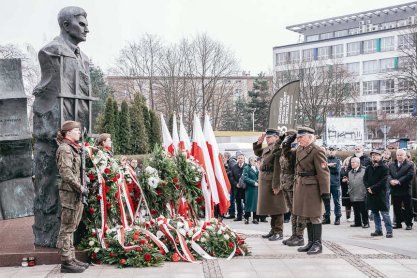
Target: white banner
(345, 131)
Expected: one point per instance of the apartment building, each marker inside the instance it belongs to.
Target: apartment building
(369, 44)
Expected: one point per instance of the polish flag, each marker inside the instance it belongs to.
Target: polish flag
(222, 182)
(200, 152)
(175, 138)
(167, 142)
(185, 143)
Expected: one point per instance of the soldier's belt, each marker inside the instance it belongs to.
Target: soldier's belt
(307, 174)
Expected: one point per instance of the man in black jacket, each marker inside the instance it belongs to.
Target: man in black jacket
(365, 160)
(375, 180)
(401, 173)
(239, 193)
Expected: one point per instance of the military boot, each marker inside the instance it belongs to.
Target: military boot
(79, 263)
(271, 232)
(297, 241)
(71, 267)
(310, 239)
(288, 239)
(316, 248)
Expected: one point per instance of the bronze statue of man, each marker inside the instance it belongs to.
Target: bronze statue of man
(63, 94)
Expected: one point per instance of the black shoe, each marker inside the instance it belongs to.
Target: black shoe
(71, 267)
(297, 241)
(264, 220)
(356, 225)
(409, 227)
(389, 235)
(80, 263)
(255, 221)
(398, 226)
(377, 233)
(230, 217)
(246, 221)
(365, 226)
(275, 237)
(337, 221)
(288, 239)
(238, 219)
(271, 232)
(316, 248)
(326, 220)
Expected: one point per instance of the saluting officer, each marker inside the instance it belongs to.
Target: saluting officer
(68, 158)
(270, 197)
(311, 188)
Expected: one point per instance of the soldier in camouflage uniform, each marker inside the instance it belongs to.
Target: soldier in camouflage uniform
(68, 158)
(287, 162)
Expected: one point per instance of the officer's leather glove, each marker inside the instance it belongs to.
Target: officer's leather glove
(282, 137)
(325, 197)
(289, 139)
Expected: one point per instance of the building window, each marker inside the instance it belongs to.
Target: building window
(405, 106)
(388, 106)
(388, 25)
(387, 86)
(281, 58)
(369, 46)
(387, 64)
(353, 68)
(370, 107)
(354, 31)
(405, 41)
(340, 33)
(312, 38)
(405, 86)
(370, 67)
(387, 44)
(324, 36)
(295, 57)
(308, 54)
(337, 51)
(370, 87)
(353, 48)
(323, 52)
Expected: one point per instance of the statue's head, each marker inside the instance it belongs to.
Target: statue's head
(73, 23)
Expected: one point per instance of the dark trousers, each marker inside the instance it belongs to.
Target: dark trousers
(397, 202)
(255, 216)
(361, 213)
(239, 205)
(232, 203)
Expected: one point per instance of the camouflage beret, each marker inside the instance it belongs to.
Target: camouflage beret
(303, 130)
(103, 137)
(68, 125)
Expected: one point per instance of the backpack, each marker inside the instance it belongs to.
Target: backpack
(241, 183)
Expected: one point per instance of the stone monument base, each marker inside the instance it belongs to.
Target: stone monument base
(16, 198)
(17, 242)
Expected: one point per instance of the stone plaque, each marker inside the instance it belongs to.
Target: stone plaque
(16, 185)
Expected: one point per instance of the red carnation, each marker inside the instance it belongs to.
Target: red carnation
(108, 205)
(117, 195)
(112, 254)
(153, 211)
(94, 256)
(142, 242)
(107, 170)
(175, 180)
(118, 176)
(175, 257)
(135, 237)
(230, 245)
(147, 257)
(198, 184)
(91, 177)
(158, 192)
(199, 199)
(86, 144)
(138, 248)
(98, 197)
(152, 222)
(241, 242)
(122, 261)
(92, 210)
(203, 207)
(93, 233)
(107, 189)
(162, 252)
(163, 184)
(137, 232)
(237, 252)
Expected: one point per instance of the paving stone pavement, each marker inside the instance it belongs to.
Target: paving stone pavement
(347, 252)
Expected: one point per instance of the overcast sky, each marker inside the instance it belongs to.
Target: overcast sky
(250, 28)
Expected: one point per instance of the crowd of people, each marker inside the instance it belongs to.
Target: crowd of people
(293, 176)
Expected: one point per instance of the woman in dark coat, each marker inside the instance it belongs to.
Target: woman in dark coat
(250, 178)
(344, 185)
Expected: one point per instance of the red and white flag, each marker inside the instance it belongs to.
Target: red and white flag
(175, 138)
(167, 142)
(200, 152)
(185, 143)
(222, 181)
